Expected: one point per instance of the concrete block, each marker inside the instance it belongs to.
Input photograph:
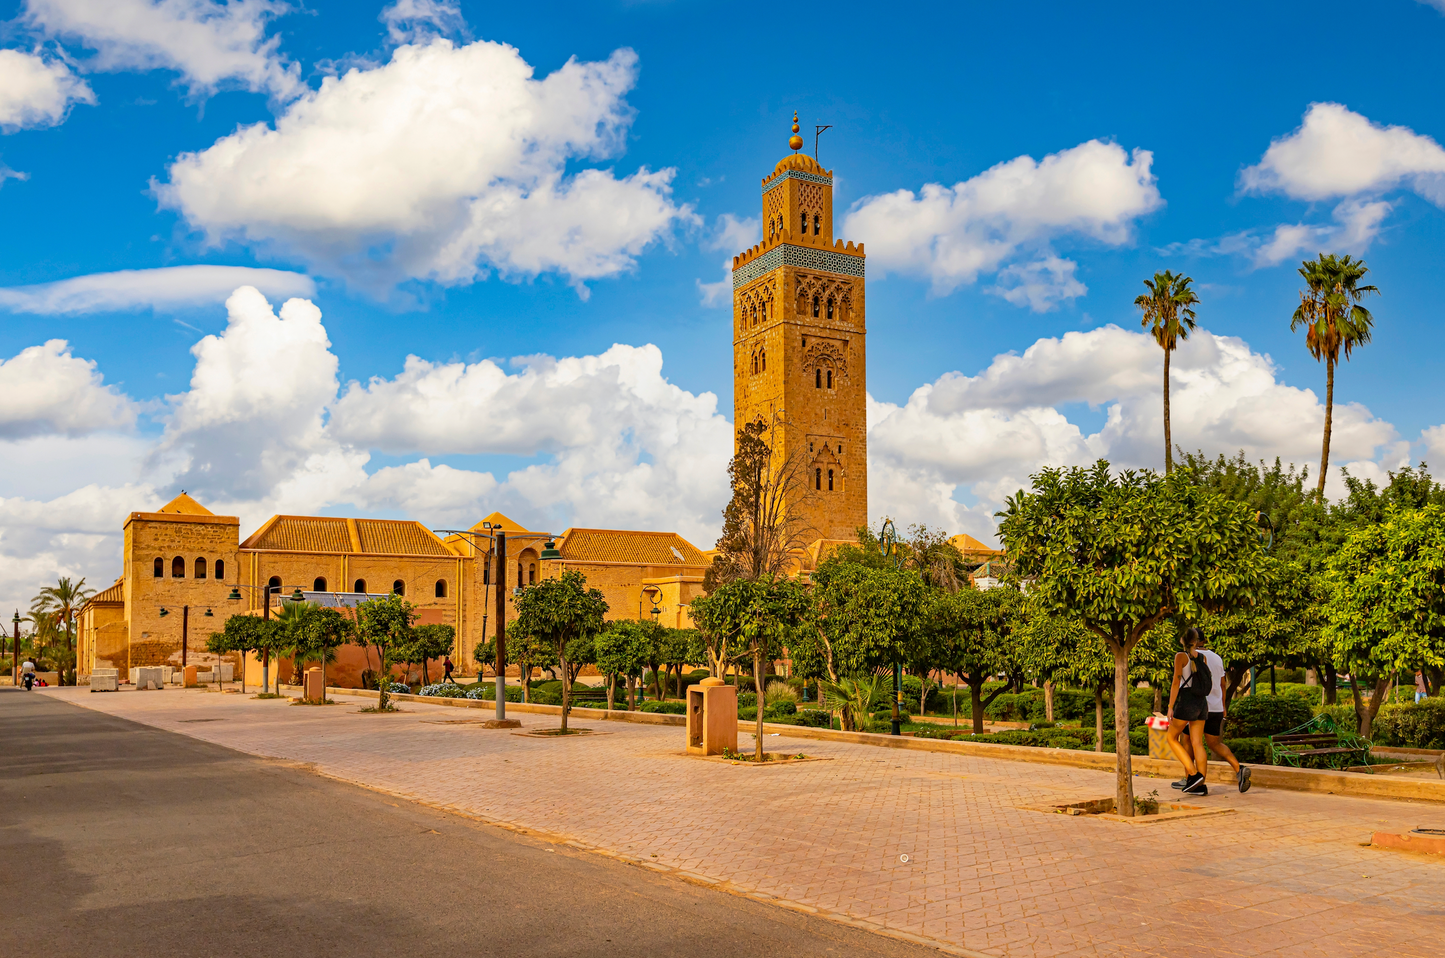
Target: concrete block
(190, 677)
(105, 680)
(150, 677)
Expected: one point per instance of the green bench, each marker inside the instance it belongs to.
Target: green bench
(1319, 738)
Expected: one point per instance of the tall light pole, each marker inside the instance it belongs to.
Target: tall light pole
(185, 626)
(15, 662)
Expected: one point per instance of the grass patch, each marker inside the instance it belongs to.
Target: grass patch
(268, 695)
(313, 702)
(388, 707)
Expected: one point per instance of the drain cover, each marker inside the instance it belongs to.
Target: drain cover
(1428, 831)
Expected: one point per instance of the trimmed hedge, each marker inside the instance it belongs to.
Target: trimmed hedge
(670, 707)
(1260, 716)
(1416, 725)
(1250, 751)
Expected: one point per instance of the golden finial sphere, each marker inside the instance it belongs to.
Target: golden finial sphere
(795, 141)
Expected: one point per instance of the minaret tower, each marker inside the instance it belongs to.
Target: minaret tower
(798, 331)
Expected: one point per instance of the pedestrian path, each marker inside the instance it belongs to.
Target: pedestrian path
(925, 844)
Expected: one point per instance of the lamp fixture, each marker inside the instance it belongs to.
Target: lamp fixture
(297, 596)
(235, 595)
(165, 612)
(550, 551)
(210, 614)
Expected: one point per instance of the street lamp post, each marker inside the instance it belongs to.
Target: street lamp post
(15, 661)
(185, 627)
(266, 591)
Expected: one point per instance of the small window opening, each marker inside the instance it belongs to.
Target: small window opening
(817, 379)
(532, 574)
(220, 569)
(159, 570)
(840, 449)
(830, 480)
(359, 586)
(830, 379)
(275, 582)
(487, 575)
(810, 447)
(830, 307)
(804, 228)
(398, 587)
(441, 588)
(817, 224)
(815, 307)
(818, 479)
(764, 364)
(178, 568)
(319, 585)
(200, 568)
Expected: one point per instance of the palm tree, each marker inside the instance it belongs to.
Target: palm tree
(1169, 307)
(1334, 321)
(64, 601)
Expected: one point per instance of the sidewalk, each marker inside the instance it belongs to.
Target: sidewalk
(1284, 874)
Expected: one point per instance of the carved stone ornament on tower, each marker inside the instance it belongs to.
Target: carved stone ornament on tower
(799, 357)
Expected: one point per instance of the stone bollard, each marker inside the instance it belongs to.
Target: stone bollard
(313, 690)
(712, 717)
(190, 677)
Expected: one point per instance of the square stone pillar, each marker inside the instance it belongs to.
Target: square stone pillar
(712, 718)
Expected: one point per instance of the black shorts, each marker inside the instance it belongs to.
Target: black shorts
(1189, 708)
(1214, 725)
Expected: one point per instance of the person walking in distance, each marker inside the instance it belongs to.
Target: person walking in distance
(1188, 711)
(1214, 724)
(27, 673)
(1421, 690)
(447, 669)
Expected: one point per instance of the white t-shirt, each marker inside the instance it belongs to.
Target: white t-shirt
(27, 666)
(1216, 674)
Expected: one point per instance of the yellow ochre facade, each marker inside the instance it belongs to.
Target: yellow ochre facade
(799, 358)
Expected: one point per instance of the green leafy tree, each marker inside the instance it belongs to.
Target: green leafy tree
(972, 633)
(1279, 626)
(1168, 309)
(431, 642)
(1335, 323)
(674, 650)
(64, 600)
(385, 626)
(562, 610)
(857, 697)
(291, 634)
(324, 630)
(1386, 607)
(243, 634)
(622, 649)
(1122, 553)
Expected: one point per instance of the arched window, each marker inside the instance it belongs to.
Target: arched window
(754, 315)
(532, 574)
(830, 480)
(159, 568)
(804, 229)
(178, 568)
(441, 588)
(275, 582)
(830, 307)
(763, 365)
(755, 364)
(398, 587)
(817, 224)
(817, 379)
(519, 575)
(359, 586)
(200, 568)
(817, 478)
(319, 585)
(815, 305)
(830, 379)
(220, 569)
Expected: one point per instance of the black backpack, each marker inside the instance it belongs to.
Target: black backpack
(1200, 679)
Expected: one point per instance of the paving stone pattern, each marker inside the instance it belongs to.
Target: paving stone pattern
(1284, 875)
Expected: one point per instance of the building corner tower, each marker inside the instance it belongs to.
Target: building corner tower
(798, 343)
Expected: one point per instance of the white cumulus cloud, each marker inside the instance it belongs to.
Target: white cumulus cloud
(36, 91)
(211, 45)
(419, 21)
(952, 234)
(166, 287)
(444, 164)
(46, 390)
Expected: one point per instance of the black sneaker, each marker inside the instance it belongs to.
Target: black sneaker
(1243, 779)
(1196, 786)
(1181, 783)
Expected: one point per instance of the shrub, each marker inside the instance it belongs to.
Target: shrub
(1343, 715)
(670, 707)
(747, 700)
(443, 690)
(396, 688)
(487, 691)
(781, 692)
(1250, 751)
(812, 718)
(1257, 716)
(1418, 725)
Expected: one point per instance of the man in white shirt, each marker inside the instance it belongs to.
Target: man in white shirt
(1214, 724)
(27, 673)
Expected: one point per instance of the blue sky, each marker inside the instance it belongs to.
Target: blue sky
(130, 153)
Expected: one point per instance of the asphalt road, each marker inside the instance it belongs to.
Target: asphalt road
(120, 839)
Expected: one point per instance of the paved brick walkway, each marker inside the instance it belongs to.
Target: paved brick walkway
(1284, 875)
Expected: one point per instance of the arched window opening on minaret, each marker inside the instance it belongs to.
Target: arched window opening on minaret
(160, 568)
(804, 227)
(818, 479)
(318, 584)
(200, 568)
(830, 307)
(817, 224)
(818, 379)
(178, 568)
(830, 480)
(220, 569)
(359, 586)
(815, 305)
(753, 313)
(830, 379)
(763, 366)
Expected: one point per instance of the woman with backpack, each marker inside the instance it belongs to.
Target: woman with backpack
(1188, 709)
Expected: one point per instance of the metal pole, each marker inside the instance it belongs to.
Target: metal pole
(185, 623)
(897, 696)
(501, 582)
(15, 663)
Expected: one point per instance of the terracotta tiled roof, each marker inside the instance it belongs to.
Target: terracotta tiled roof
(116, 593)
(358, 536)
(186, 506)
(644, 548)
(497, 520)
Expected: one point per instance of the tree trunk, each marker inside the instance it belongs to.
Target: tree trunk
(1124, 767)
(758, 684)
(1048, 701)
(1329, 422)
(1372, 708)
(1332, 684)
(1233, 679)
(631, 694)
(975, 693)
(611, 689)
(265, 673)
(566, 685)
(1168, 439)
(1098, 716)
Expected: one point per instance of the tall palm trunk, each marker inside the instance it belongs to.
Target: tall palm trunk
(1329, 422)
(1168, 441)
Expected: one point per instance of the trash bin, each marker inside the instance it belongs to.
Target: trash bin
(314, 691)
(1158, 736)
(712, 717)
